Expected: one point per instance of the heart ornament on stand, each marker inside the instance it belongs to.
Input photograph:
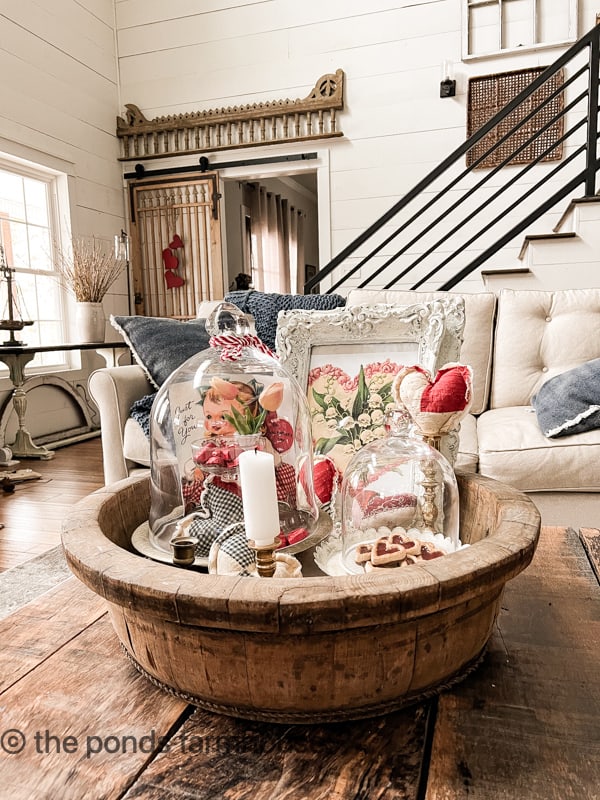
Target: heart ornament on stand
(435, 405)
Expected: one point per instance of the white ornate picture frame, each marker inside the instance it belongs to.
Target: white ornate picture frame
(353, 345)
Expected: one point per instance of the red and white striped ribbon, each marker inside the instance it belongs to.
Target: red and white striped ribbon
(232, 345)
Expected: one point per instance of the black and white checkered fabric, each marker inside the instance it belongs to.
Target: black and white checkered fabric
(220, 518)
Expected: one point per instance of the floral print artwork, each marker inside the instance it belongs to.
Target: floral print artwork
(348, 412)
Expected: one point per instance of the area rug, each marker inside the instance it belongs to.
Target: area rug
(24, 583)
(590, 538)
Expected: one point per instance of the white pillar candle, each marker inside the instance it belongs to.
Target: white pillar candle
(259, 496)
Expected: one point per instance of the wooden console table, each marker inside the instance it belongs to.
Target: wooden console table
(79, 721)
(16, 359)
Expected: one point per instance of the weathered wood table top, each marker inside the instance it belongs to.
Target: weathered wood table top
(78, 721)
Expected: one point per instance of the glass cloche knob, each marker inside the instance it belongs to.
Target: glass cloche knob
(227, 318)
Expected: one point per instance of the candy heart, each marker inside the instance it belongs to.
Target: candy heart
(297, 535)
(435, 405)
(170, 260)
(176, 243)
(172, 280)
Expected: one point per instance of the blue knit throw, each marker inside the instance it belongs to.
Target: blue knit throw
(265, 307)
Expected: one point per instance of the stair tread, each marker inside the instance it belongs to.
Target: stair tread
(507, 271)
(575, 201)
(531, 237)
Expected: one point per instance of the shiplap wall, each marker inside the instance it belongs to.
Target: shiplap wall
(187, 56)
(62, 99)
(58, 104)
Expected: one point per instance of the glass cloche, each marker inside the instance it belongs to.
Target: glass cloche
(233, 397)
(399, 502)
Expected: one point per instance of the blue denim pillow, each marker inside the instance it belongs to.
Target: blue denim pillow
(569, 403)
(161, 345)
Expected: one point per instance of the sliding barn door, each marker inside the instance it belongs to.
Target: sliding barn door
(176, 244)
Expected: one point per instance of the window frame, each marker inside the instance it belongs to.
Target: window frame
(571, 34)
(58, 209)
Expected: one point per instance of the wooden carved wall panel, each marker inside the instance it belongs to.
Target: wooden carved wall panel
(176, 253)
(488, 94)
(271, 122)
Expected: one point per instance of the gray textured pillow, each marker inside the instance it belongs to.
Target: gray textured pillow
(161, 345)
(570, 403)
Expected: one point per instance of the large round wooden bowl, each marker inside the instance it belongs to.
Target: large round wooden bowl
(304, 649)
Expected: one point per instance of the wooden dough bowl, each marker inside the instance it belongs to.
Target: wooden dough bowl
(306, 649)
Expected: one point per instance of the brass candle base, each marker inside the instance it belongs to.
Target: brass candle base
(265, 557)
(184, 550)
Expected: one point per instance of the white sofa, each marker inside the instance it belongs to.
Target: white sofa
(515, 341)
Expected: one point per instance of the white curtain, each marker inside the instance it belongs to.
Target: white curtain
(277, 242)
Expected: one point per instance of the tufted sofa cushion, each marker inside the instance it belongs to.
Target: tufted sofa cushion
(478, 335)
(540, 335)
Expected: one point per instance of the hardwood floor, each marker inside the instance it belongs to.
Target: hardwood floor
(33, 513)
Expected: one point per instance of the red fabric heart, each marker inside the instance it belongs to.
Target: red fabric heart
(169, 260)
(324, 478)
(449, 391)
(390, 503)
(176, 243)
(435, 405)
(172, 280)
(279, 432)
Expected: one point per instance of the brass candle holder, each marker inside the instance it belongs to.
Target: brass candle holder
(430, 484)
(433, 440)
(265, 557)
(184, 550)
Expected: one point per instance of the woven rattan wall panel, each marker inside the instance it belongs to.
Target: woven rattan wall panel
(489, 94)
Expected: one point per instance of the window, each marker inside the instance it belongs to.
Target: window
(493, 26)
(28, 231)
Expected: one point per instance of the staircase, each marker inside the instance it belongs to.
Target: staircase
(566, 257)
(462, 226)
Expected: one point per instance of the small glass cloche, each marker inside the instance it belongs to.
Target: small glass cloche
(399, 502)
(232, 397)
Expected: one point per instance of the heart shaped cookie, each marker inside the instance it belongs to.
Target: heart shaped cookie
(384, 552)
(436, 405)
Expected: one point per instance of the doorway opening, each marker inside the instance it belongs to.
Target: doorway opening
(271, 239)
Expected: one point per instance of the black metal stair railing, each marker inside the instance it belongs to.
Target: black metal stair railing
(458, 217)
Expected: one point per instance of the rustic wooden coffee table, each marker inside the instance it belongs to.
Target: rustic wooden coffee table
(78, 721)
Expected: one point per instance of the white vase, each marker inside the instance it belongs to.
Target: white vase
(90, 322)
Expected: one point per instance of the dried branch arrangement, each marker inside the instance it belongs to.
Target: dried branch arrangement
(89, 269)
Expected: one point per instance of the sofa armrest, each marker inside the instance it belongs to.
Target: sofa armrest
(114, 390)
